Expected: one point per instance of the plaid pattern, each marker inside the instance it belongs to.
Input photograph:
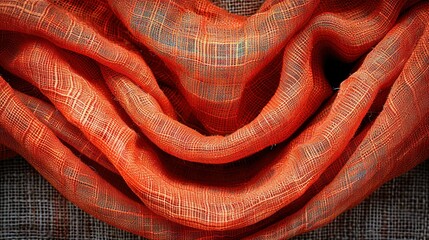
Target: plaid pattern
(185, 121)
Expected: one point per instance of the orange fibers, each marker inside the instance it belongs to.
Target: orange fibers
(186, 121)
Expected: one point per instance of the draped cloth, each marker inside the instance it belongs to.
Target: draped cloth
(177, 119)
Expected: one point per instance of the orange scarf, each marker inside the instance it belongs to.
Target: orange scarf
(177, 119)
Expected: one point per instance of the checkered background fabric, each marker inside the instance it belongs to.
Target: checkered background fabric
(30, 208)
(176, 119)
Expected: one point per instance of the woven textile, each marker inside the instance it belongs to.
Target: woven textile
(31, 209)
(182, 120)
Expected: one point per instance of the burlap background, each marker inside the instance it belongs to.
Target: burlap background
(31, 209)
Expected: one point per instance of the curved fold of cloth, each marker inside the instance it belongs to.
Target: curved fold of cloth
(186, 121)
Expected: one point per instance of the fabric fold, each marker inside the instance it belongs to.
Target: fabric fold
(187, 121)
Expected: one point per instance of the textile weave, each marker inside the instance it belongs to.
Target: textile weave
(186, 121)
(31, 209)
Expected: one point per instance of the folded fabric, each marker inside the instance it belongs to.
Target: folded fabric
(176, 119)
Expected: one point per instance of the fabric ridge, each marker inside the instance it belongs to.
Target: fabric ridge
(186, 121)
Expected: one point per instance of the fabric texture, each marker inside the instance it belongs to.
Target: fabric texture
(32, 209)
(185, 121)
